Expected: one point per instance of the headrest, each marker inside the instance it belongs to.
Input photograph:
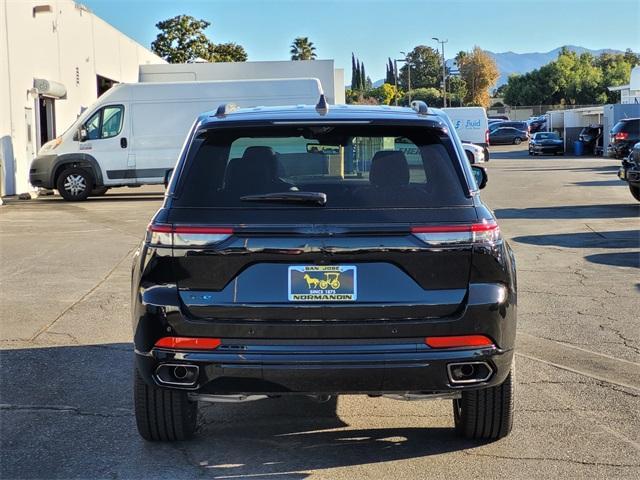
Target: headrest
(389, 168)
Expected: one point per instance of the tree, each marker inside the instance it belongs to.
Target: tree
(354, 73)
(391, 73)
(303, 49)
(572, 79)
(457, 90)
(363, 77)
(182, 39)
(385, 94)
(479, 72)
(425, 64)
(227, 52)
(431, 96)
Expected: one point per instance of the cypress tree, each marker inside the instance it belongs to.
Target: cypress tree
(363, 77)
(358, 77)
(354, 73)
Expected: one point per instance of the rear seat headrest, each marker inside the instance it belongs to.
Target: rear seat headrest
(389, 168)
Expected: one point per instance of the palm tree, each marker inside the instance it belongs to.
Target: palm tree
(303, 49)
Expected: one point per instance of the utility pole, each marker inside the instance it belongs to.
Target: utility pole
(444, 71)
(395, 65)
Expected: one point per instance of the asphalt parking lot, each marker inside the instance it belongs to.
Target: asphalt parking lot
(66, 361)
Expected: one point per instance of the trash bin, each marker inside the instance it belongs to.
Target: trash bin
(578, 148)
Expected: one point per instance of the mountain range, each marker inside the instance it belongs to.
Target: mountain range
(510, 62)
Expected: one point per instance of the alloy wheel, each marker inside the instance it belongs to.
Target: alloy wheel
(75, 184)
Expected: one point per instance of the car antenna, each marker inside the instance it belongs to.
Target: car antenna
(224, 109)
(322, 107)
(421, 107)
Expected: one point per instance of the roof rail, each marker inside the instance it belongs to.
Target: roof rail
(420, 107)
(225, 109)
(322, 107)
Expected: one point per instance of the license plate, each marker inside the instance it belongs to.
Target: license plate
(322, 283)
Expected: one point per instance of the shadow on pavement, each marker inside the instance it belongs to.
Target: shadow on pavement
(614, 239)
(614, 182)
(625, 259)
(67, 412)
(571, 212)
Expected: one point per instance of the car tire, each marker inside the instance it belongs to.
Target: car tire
(99, 191)
(486, 414)
(517, 141)
(470, 157)
(75, 184)
(635, 191)
(161, 414)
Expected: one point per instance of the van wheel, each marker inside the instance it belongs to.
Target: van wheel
(486, 414)
(97, 192)
(517, 141)
(161, 414)
(75, 184)
(635, 191)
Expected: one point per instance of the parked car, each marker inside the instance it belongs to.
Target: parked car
(475, 153)
(546, 142)
(591, 137)
(630, 171)
(624, 135)
(471, 124)
(120, 140)
(524, 126)
(537, 125)
(255, 282)
(507, 135)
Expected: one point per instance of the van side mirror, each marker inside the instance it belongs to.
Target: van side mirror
(167, 177)
(480, 174)
(82, 134)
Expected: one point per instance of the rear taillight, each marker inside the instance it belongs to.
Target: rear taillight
(186, 235)
(486, 136)
(621, 136)
(485, 232)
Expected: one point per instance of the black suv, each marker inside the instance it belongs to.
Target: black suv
(321, 251)
(624, 135)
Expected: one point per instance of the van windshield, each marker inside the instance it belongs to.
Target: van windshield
(346, 166)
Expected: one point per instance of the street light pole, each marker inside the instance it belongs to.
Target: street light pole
(444, 71)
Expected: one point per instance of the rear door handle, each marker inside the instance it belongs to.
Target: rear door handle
(123, 142)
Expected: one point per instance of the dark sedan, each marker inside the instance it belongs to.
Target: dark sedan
(507, 135)
(546, 142)
(630, 171)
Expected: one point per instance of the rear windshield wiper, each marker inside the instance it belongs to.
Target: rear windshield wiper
(319, 198)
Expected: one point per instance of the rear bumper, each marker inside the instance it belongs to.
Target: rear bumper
(241, 367)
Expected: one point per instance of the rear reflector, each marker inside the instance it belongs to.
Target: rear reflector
(458, 341)
(486, 231)
(186, 235)
(188, 343)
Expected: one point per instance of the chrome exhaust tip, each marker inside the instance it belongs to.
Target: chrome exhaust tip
(176, 374)
(468, 373)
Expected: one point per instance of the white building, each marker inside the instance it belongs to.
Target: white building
(630, 93)
(56, 57)
(331, 79)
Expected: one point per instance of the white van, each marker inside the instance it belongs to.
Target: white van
(133, 134)
(472, 125)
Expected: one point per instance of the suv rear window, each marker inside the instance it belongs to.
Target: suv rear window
(630, 126)
(360, 166)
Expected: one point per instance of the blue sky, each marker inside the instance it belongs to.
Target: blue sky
(375, 30)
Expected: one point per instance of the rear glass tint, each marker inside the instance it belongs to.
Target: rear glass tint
(354, 166)
(629, 126)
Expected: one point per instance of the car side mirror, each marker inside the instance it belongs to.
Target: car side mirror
(82, 134)
(167, 177)
(480, 174)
